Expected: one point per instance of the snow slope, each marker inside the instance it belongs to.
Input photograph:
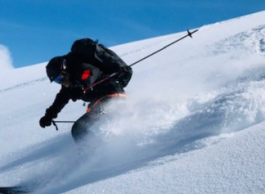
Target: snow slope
(193, 121)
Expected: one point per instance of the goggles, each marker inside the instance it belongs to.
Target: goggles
(60, 78)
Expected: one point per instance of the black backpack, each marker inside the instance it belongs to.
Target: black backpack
(105, 59)
(97, 54)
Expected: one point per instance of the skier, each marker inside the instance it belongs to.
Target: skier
(77, 72)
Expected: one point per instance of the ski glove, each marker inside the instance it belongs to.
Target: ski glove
(77, 92)
(45, 121)
(124, 76)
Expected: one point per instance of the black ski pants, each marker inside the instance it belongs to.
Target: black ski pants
(94, 111)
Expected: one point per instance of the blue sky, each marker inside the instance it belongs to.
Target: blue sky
(36, 30)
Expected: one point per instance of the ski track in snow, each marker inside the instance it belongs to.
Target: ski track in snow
(144, 132)
(24, 84)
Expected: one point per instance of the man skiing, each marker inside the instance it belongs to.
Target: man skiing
(77, 72)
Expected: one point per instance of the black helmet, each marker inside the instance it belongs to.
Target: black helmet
(55, 66)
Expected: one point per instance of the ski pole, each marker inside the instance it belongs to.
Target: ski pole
(100, 81)
(64, 121)
(189, 34)
(55, 125)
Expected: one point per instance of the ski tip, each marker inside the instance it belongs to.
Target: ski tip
(14, 190)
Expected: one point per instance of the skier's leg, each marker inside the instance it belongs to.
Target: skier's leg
(95, 109)
(81, 127)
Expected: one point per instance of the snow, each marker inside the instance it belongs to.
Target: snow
(193, 121)
(198, 171)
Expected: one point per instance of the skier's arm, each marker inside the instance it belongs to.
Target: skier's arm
(61, 99)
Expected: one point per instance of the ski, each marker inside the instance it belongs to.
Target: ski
(14, 190)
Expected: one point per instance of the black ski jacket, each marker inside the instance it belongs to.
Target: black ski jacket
(85, 74)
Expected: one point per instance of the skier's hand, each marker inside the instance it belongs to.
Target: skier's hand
(45, 121)
(124, 76)
(77, 92)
